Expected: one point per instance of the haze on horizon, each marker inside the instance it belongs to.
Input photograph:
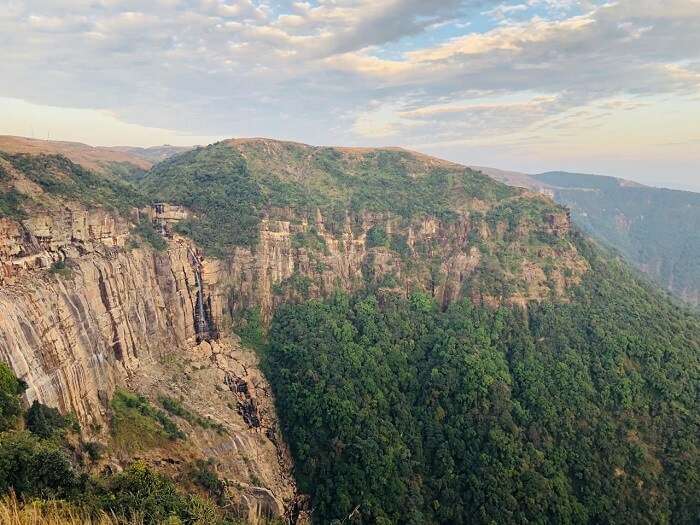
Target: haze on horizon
(528, 85)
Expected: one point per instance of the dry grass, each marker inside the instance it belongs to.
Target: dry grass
(14, 512)
(94, 158)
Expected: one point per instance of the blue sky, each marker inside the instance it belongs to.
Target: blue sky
(531, 85)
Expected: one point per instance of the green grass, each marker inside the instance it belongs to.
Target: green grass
(137, 425)
(176, 408)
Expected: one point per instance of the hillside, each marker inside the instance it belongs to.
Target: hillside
(29, 183)
(106, 161)
(98, 310)
(335, 217)
(153, 154)
(294, 332)
(655, 229)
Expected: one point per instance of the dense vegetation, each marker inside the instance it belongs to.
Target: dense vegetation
(231, 186)
(60, 177)
(43, 458)
(586, 412)
(657, 230)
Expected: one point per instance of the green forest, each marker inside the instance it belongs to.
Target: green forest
(580, 412)
(231, 188)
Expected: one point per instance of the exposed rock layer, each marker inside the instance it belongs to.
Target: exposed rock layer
(109, 317)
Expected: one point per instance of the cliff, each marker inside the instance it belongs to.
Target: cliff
(108, 317)
(280, 221)
(298, 259)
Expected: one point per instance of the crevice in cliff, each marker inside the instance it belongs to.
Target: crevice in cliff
(246, 404)
(104, 295)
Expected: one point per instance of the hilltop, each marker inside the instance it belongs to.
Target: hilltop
(420, 220)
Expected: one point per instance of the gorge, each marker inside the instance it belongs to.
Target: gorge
(166, 282)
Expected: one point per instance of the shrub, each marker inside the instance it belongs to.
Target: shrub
(10, 390)
(175, 407)
(148, 233)
(44, 421)
(138, 487)
(203, 475)
(141, 492)
(93, 449)
(11, 205)
(377, 236)
(35, 468)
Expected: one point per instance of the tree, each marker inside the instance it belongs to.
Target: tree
(11, 389)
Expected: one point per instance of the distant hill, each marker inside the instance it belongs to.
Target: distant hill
(104, 160)
(153, 154)
(656, 229)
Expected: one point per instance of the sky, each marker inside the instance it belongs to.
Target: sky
(526, 85)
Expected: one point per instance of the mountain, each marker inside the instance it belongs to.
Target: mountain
(326, 334)
(655, 229)
(97, 310)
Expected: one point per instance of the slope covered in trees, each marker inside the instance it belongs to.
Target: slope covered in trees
(29, 182)
(584, 412)
(232, 184)
(656, 229)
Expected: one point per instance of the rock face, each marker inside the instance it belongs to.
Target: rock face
(109, 317)
(297, 258)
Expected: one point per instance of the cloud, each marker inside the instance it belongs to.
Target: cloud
(350, 71)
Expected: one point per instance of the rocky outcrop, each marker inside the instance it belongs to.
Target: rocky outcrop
(84, 312)
(110, 317)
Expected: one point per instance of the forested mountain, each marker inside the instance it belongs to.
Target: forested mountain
(655, 229)
(440, 347)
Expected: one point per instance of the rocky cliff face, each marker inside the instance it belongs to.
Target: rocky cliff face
(106, 317)
(297, 258)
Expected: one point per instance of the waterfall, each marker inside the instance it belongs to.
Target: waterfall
(201, 323)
